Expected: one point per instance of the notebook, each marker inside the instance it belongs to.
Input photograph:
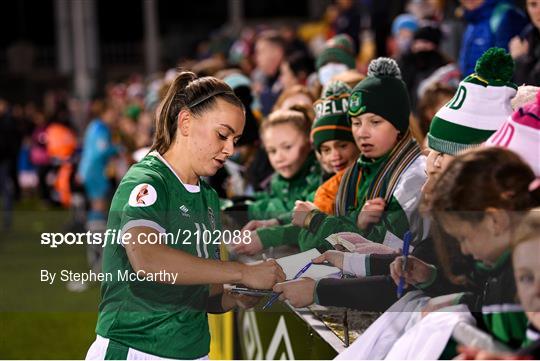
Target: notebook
(294, 263)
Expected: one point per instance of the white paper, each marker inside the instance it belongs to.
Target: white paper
(379, 338)
(294, 263)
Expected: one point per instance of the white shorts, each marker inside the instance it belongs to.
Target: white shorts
(98, 350)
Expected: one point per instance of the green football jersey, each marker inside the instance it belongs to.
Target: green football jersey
(165, 320)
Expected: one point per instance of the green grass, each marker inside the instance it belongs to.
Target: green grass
(38, 320)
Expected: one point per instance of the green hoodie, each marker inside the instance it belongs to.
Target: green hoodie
(400, 216)
(279, 201)
(502, 315)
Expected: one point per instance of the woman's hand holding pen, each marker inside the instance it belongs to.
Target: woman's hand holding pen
(417, 270)
(263, 275)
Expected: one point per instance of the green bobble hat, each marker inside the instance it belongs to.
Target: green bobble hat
(339, 49)
(479, 107)
(382, 93)
(331, 120)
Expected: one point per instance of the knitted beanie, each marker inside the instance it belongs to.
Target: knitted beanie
(479, 107)
(331, 120)
(382, 93)
(521, 134)
(428, 33)
(339, 49)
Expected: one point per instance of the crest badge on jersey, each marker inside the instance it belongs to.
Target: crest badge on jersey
(143, 195)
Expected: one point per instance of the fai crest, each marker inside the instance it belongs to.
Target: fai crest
(356, 106)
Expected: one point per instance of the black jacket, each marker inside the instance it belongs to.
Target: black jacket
(527, 69)
(377, 292)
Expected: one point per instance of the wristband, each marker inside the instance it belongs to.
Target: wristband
(316, 220)
(214, 304)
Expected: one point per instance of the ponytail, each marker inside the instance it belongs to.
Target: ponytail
(198, 95)
(167, 112)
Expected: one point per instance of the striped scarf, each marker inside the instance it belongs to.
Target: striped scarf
(402, 156)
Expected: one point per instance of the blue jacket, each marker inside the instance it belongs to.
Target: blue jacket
(494, 23)
(97, 150)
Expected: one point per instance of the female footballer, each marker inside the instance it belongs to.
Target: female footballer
(170, 225)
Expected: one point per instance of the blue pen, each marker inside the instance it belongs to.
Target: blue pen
(276, 296)
(406, 243)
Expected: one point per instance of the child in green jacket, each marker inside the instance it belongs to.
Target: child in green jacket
(332, 139)
(379, 196)
(285, 135)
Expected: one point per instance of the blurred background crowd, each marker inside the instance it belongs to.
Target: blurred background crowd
(275, 55)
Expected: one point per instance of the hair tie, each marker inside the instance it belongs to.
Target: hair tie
(534, 185)
(212, 94)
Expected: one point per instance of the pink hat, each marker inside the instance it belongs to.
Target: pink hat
(521, 134)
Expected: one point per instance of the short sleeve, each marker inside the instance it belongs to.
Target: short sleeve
(145, 204)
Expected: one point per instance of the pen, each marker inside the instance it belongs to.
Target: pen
(304, 269)
(276, 296)
(406, 243)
